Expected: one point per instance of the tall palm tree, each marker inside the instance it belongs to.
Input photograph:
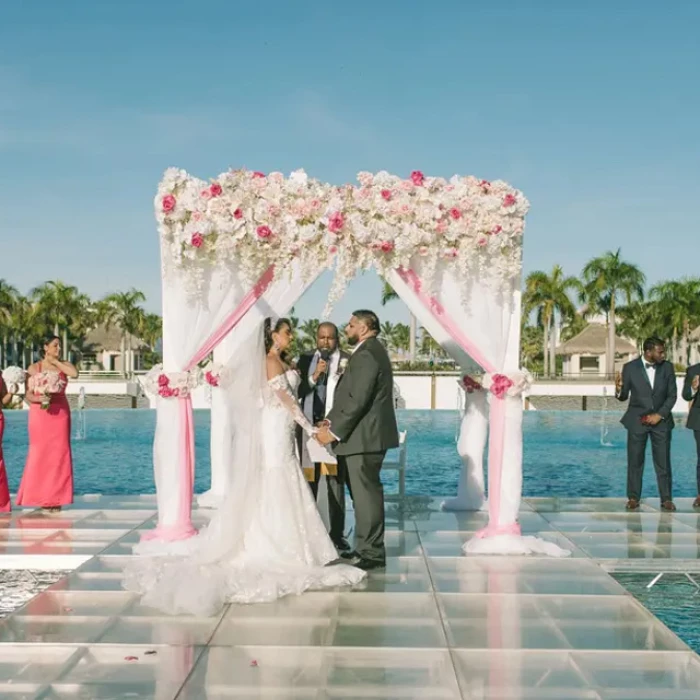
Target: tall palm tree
(59, 303)
(122, 310)
(678, 307)
(640, 320)
(389, 294)
(548, 295)
(608, 279)
(8, 297)
(28, 328)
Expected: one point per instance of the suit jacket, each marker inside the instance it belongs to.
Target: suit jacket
(363, 415)
(645, 399)
(303, 366)
(694, 415)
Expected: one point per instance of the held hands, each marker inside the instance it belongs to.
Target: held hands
(323, 436)
(618, 382)
(652, 419)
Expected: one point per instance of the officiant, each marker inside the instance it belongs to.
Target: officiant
(320, 372)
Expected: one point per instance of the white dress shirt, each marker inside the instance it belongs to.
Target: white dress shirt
(651, 370)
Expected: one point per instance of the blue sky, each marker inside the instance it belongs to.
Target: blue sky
(590, 108)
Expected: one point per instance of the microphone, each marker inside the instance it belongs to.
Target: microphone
(325, 356)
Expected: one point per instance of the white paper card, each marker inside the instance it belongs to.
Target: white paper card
(319, 453)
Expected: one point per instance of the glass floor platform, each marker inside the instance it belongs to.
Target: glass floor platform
(435, 624)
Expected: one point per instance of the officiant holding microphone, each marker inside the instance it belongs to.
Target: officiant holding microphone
(320, 371)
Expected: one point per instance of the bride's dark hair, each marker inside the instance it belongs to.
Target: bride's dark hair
(270, 329)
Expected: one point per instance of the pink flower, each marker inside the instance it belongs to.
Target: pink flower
(470, 385)
(197, 216)
(238, 214)
(455, 213)
(212, 379)
(485, 186)
(166, 392)
(205, 194)
(387, 246)
(482, 241)
(169, 202)
(163, 380)
(332, 249)
(175, 392)
(257, 174)
(509, 200)
(500, 385)
(264, 232)
(441, 227)
(197, 240)
(215, 189)
(496, 230)
(423, 250)
(417, 178)
(315, 204)
(451, 253)
(386, 194)
(336, 221)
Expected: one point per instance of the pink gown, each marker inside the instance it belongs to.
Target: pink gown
(47, 481)
(5, 505)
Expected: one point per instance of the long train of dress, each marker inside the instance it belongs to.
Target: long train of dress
(273, 546)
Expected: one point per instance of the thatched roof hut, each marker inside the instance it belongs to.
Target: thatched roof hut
(110, 339)
(592, 340)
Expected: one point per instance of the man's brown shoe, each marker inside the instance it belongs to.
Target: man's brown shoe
(632, 504)
(668, 505)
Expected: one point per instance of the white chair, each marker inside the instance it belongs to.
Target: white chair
(400, 465)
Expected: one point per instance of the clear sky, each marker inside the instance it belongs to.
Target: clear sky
(591, 108)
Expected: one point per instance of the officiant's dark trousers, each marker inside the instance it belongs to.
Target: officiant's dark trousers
(368, 499)
(336, 501)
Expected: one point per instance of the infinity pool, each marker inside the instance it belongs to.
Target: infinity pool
(563, 453)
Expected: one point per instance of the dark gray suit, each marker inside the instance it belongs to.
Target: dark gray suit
(645, 400)
(364, 420)
(694, 413)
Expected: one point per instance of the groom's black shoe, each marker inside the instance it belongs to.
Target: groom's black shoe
(342, 546)
(349, 554)
(354, 559)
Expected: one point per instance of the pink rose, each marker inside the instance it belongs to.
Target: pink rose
(387, 246)
(417, 178)
(496, 230)
(166, 392)
(482, 241)
(485, 186)
(205, 194)
(315, 204)
(509, 200)
(500, 385)
(169, 202)
(176, 393)
(332, 249)
(215, 189)
(336, 221)
(386, 194)
(197, 240)
(163, 380)
(197, 216)
(451, 253)
(238, 214)
(264, 232)
(257, 174)
(455, 213)
(423, 250)
(470, 385)
(212, 379)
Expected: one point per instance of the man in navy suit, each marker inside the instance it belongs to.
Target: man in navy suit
(691, 394)
(649, 383)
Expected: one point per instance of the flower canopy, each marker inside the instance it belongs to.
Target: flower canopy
(256, 220)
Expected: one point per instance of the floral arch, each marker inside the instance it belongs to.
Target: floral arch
(247, 245)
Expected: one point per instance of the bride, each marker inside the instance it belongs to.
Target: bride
(267, 540)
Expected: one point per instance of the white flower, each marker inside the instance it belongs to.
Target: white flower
(299, 177)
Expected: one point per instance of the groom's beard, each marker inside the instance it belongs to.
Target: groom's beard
(352, 342)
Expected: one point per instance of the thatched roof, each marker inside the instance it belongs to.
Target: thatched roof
(110, 339)
(592, 340)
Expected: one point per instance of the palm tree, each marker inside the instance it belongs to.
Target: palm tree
(640, 320)
(678, 308)
(28, 329)
(531, 347)
(59, 303)
(548, 295)
(122, 309)
(8, 297)
(308, 331)
(607, 279)
(389, 294)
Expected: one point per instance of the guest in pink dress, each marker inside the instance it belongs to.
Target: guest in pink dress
(5, 398)
(47, 481)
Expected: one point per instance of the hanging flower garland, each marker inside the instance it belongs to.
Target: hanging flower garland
(256, 220)
(172, 385)
(216, 375)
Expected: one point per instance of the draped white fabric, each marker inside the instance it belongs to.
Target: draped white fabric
(476, 317)
(277, 301)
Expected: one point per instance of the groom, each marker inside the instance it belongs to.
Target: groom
(362, 424)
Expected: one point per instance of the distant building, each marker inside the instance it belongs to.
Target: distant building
(103, 351)
(584, 354)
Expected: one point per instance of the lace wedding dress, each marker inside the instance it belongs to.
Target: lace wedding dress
(269, 540)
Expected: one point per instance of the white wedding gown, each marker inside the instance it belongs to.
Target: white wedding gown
(269, 541)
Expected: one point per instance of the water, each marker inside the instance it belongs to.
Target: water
(674, 599)
(563, 455)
